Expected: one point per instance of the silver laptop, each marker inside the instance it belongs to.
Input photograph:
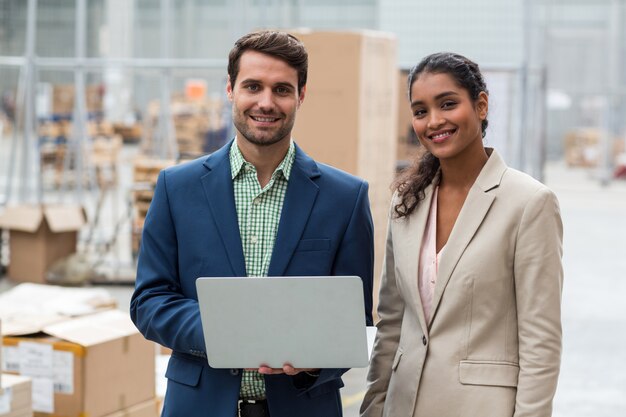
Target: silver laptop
(308, 322)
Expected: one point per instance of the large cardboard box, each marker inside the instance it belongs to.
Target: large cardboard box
(15, 396)
(39, 236)
(91, 366)
(146, 409)
(349, 117)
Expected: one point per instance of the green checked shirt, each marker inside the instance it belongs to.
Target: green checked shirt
(258, 212)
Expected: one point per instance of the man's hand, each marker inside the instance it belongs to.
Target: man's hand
(286, 369)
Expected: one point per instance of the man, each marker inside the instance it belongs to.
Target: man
(257, 207)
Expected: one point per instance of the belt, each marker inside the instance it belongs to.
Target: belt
(253, 408)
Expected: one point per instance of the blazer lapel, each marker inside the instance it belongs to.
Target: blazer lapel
(299, 200)
(218, 189)
(472, 214)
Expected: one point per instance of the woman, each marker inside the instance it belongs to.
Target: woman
(470, 296)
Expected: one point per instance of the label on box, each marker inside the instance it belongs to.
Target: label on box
(10, 359)
(6, 396)
(35, 359)
(43, 395)
(63, 372)
(40, 360)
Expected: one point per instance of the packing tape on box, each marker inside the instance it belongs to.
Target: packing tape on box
(78, 350)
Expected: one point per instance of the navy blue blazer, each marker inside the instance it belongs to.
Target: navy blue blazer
(191, 230)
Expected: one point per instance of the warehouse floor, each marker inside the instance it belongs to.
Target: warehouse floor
(592, 380)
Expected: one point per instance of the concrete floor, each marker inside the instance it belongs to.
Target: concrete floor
(593, 377)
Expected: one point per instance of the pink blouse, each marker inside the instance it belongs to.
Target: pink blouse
(429, 260)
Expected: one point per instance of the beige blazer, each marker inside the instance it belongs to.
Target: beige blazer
(493, 345)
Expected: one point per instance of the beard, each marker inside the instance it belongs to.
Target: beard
(262, 137)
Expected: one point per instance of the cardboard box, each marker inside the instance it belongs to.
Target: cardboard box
(146, 409)
(39, 236)
(349, 118)
(162, 350)
(63, 96)
(62, 99)
(15, 396)
(94, 95)
(91, 366)
(162, 362)
(105, 153)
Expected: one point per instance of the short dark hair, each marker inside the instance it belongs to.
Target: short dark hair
(463, 70)
(280, 45)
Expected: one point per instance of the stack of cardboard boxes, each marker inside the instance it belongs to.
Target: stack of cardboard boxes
(103, 156)
(97, 365)
(105, 153)
(145, 175)
(15, 393)
(63, 98)
(56, 130)
(198, 125)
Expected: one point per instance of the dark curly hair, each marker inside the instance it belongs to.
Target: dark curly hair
(413, 181)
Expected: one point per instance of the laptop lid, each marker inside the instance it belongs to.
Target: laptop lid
(308, 322)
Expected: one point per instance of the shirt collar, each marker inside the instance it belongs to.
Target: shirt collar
(237, 161)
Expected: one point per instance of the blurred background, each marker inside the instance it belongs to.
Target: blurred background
(98, 95)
